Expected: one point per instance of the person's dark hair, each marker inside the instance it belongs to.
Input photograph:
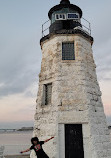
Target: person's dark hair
(34, 139)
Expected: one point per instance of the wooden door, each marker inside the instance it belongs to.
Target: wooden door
(73, 141)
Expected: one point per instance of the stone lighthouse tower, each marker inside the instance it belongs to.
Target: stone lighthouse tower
(69, 105)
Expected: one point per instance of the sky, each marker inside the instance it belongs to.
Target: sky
(20, 54)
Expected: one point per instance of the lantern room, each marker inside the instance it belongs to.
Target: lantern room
(64, 16)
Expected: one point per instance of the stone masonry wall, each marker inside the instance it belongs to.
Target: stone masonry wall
(76, 97)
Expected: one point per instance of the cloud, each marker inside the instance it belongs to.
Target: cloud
(20, 54)
(31, 91)
(107, 109)
(19, 66)
(18, 83)
(102, 38)
(17, 107)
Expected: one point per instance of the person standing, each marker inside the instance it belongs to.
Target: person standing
(37, 147)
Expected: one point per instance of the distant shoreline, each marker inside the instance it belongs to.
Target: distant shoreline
(23, 129)
(16, 132)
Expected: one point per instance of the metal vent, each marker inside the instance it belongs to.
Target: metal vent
(68, 51)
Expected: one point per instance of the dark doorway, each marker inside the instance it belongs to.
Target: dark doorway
(73, 141)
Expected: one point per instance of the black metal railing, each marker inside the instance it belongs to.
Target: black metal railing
(86, 27)
(45, 28)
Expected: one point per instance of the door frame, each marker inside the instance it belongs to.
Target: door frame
(86, 139)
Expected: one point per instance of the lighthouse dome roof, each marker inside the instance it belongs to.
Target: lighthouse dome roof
(64, 4)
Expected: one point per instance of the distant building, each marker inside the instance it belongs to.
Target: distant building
(69, 104)
(25, 129)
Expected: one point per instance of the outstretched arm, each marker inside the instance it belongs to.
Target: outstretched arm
(48, 139)
(25, 151)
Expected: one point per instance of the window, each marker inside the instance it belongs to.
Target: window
(47, 94)
(57, 16)
(60, 16)
(68, 51)
(73, 16)
(64, 17)
(68, 16)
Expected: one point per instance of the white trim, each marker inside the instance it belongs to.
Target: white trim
(85, 135)
(86, 140)
(61, 136)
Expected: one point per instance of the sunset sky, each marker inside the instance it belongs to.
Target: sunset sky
(20, 54)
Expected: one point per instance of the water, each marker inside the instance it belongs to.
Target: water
(15, 142)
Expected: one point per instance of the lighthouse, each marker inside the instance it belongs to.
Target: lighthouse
(69, 105)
